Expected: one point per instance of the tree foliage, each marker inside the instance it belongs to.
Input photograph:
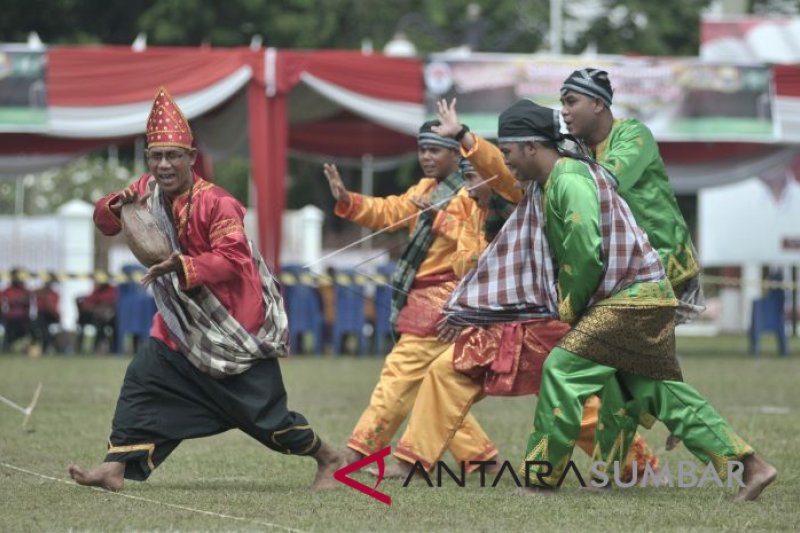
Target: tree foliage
(645, 27)
(72, 21)
(86, 178)
(639, 26)
(773, 7)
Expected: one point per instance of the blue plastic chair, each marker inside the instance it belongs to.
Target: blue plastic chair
(303, 306)
(383, 308)
(349, 294)
(135, 309)
(767, 316)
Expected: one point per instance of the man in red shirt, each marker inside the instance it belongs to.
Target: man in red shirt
(15, 310)
(210, 363)
(99, 309)
(47, 312)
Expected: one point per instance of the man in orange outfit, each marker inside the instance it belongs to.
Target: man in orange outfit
(434, 210)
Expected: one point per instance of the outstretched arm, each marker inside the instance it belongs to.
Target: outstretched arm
(107, 210)
(369, 211)
(484, 156)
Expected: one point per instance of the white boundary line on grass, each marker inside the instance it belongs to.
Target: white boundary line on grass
(166, 504)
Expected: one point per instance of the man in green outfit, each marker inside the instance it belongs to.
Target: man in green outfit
(627, 148)
(614, 292)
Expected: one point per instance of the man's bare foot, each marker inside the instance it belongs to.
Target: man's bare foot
(351, 456)
(757, 475)
(329, 460)
(110, 476)
(400, 469)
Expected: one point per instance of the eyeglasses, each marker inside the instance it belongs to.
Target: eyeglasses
(173, 156)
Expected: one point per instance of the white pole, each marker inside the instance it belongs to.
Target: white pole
(751, 289)
(555, 26)
(138, 156)
(77, 241)
(113, 155)
(19, 197)
(367, 189)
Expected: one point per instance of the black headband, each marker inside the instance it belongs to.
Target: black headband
(427, 136)
(528, 121)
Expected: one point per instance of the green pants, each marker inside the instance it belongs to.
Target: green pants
(568, 379)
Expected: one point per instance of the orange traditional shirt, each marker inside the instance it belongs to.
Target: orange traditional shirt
(399, 212)
(488, 161)
(471, 244)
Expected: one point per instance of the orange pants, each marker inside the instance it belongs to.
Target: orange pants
(403, 372)
(441, 412)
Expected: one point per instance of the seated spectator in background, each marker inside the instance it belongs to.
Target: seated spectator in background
(15, 309)
(46, 313)
(99, 309)
(327, 296)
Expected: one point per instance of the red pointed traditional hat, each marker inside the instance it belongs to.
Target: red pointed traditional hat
(166, 125)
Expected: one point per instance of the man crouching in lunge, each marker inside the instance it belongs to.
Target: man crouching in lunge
(210, 364)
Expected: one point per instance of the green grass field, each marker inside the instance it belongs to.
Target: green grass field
(230, 483)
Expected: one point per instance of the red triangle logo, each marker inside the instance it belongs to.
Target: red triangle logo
(342, 474)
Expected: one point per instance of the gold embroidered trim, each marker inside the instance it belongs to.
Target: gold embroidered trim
(189, 271)
(293, 428)
(224, 228)
(150, 448)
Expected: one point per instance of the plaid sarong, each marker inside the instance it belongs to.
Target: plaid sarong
(205, 332)
(514, 279)
(496, 215)
(627, 254)
(417, 249)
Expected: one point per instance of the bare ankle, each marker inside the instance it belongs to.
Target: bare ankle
(327, 454)
(351, 455)
(757, 475)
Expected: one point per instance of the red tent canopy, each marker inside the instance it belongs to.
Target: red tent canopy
(364, 104)
(372, 76)
(101, 95)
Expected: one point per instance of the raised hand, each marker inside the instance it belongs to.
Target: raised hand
(171, 264)
(448, 117)
(338, 190)
(143, 199)
(126, 196)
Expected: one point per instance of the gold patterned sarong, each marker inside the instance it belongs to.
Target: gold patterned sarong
(639, 340)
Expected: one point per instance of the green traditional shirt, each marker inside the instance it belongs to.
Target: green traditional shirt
(572, 226)
(631, 153)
